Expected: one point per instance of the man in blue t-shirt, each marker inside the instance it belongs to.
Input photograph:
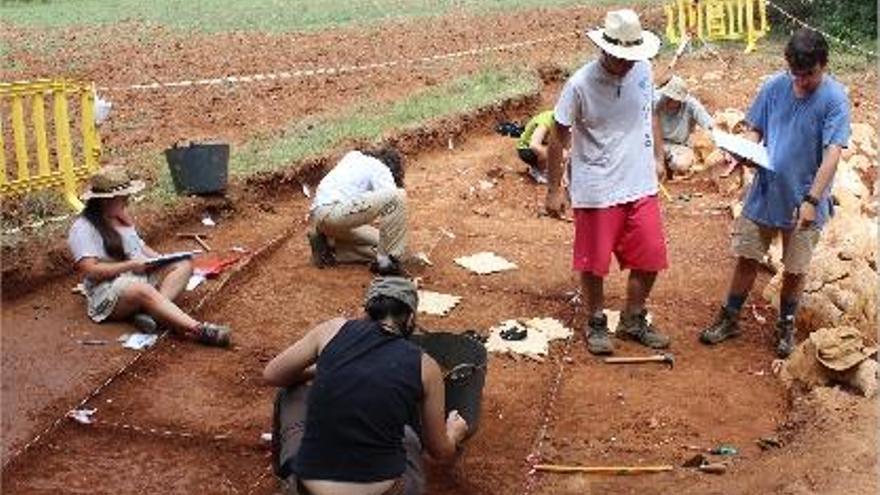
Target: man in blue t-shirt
(802, 117)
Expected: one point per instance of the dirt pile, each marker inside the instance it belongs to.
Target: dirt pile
(842, 283)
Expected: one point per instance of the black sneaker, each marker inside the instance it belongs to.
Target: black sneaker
(726, 326)
(636, 327)
(596, 333)
(785, 337)
(213, 334)
(322, 253)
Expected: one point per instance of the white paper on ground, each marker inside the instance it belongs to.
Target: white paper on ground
(540, 332)
(195, 280)
(82, 416)
(138, 341)
(485, 263)
(435, 303)
(750, 150)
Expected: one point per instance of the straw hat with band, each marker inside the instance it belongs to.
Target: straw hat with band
(623, 37)
(841, 348)
(676, 89)
(110, 182)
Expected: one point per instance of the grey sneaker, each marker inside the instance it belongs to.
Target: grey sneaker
(596, 333)
(785, 337)
(144, 323)
(725, 326)
(322, 253)
(636, 327)
(537, 176)
(213, 334)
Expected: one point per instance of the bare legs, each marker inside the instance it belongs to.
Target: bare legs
(141, 296)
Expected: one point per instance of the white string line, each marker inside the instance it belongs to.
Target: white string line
(246, 262)
(335, 71)
(823, 33)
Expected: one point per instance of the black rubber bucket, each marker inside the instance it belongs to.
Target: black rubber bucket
(200, 168)
(463, 361)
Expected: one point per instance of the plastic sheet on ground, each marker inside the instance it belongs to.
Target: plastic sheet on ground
(536, 345)
(485, 263)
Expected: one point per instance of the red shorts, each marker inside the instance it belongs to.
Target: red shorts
(632, 231)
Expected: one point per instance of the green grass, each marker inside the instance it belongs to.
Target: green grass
(317, 135)
(250, 15)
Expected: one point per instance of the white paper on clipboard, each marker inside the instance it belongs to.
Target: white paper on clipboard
(742, 147)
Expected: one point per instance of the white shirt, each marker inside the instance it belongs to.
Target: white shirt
(612, 153)
(354, 175)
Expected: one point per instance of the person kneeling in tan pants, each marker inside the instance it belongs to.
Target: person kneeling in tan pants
(364, 187)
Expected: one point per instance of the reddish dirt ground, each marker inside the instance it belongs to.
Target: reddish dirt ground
(636, 415)
(602, 415)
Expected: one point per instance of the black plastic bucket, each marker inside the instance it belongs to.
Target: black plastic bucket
(463, 361)
(200, 168)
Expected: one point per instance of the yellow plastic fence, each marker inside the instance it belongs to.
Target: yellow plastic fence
(60, 171)
(717, 20)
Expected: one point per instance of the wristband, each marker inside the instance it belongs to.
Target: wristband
(809, 198)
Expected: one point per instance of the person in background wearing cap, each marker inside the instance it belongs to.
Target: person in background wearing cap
(361, 188)
(119, 283)
(606, 111)
(802, 116)
(350, 430)
(679, 113)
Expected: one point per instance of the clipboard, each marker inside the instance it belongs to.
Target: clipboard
(742, 147)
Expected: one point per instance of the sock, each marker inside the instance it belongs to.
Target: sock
(383, 260)
(787, 309)
(735, 302)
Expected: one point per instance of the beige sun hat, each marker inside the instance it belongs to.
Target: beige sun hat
(841, 348)
(623, 37)
(110, 182)
(675, 89)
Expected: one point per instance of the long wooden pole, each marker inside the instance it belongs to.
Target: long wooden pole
(562, 469)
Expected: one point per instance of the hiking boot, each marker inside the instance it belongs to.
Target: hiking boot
(726, 326)
(144, 323)
(636, 327)
(537, 176)
(322, 253)
(785, 337)
(213, 334)
(388, 268)
(598, 341)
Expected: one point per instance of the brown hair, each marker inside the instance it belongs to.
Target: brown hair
(94, 213)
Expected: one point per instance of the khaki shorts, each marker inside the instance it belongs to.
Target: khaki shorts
(752, 241)
(103, 296)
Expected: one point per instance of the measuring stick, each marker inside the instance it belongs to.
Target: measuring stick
(562, 469)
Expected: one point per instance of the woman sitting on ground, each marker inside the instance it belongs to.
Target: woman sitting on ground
(350, 432)
(119, 283)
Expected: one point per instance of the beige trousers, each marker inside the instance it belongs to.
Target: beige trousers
(349, 226)
(679, 158)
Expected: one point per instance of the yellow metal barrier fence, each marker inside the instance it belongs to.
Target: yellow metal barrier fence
(717, 20)
(65, 175)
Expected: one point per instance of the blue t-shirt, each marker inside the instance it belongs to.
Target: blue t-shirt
(795, 132)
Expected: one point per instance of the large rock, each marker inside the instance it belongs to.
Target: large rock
(730, 120)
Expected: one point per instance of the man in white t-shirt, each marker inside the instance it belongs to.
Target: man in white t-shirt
(606, 111)
(362, 188)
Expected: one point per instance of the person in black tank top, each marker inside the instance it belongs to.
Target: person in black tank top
(352, 393)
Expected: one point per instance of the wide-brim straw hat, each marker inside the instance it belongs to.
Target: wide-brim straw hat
(676, 89)
(623, 36)
(841, 348)
(111, 182)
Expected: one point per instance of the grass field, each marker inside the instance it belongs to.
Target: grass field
(250, 15)
(368, 122)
